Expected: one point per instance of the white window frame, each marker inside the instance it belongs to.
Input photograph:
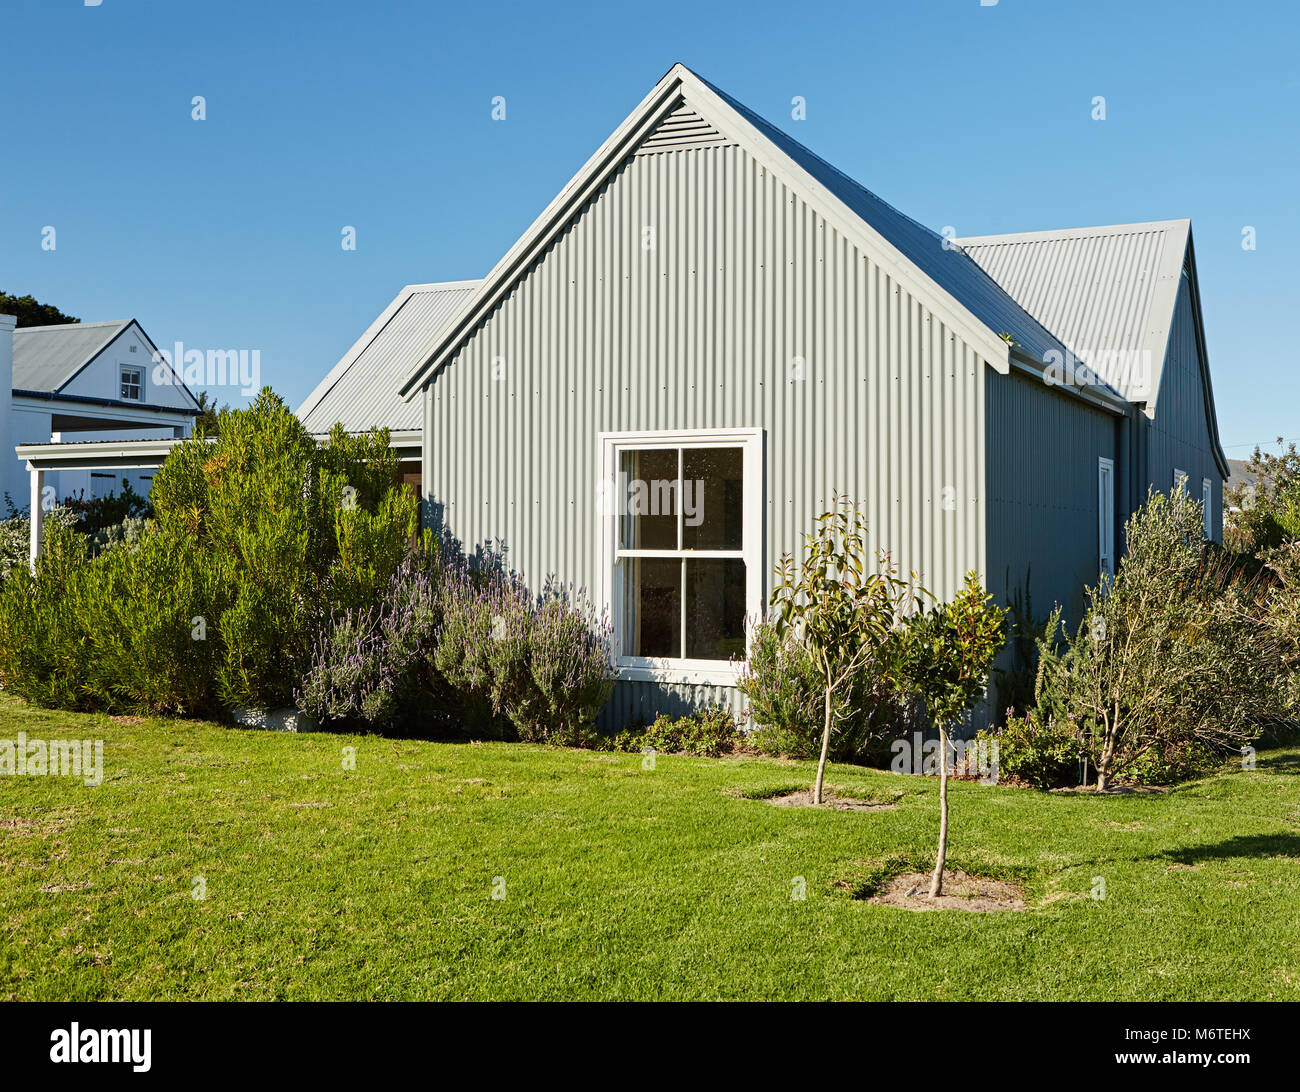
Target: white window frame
(1207, 502)
(612, 444)
(1106, 516)
(123, 371)
(1180, 478)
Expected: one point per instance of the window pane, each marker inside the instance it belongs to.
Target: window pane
(712, 509)
(652, 594)
(649, 483)
(715, 608)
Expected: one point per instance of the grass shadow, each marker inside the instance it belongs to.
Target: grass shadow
(1243, 845)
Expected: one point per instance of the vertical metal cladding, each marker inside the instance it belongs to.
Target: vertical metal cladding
(1179, 437)
(698, 291)
(1043, 447)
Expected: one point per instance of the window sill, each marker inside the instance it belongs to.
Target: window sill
(679, 672)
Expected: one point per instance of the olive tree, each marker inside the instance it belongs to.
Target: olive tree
(946, 659)
(1175, 650)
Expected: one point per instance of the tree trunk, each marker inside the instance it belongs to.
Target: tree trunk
(1103, 767)
(1105, 760)
(936, 881)
(826, 746)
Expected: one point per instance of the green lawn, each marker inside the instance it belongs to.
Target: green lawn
(619, 882)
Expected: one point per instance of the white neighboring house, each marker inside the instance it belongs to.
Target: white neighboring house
(84, 381)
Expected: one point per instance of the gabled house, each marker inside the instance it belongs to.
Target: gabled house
(711, 330)
(86, 381)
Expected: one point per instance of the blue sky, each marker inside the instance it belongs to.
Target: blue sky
(225, 233)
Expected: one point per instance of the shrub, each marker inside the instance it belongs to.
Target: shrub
(1179, 761)
(100, 513)
(784, 686)
(1041, 753)
(15, 536)
(706, 733)
(543, 664)
(1268, 505)
(259, 538)
(1175, 650)
(372, 667)
(126, 631)
(295, 530)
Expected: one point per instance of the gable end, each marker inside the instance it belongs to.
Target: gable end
(682, 130)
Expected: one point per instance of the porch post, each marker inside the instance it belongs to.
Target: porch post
(37, 514)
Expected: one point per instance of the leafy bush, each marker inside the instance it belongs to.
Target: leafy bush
(1268, 506)
(125, 631)
(785, 688)
(1044, 754)
(372, 667)
(542, 663)
(293, 529)
(15, 536)
(1175, 650)
(1179, 761)
(259, 537)
(100, 513)
(707, 733)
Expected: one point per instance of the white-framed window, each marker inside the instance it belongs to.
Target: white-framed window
(682, 550)
(132, 382)
(1106, 516)
(1180, 481)
(1207, 502)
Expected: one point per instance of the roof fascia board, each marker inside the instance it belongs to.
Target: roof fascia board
(1098, 231)
(1095, 396)
(588, 180)
(848, 223)
(642, 120)
(1164, 303)
(157, 358)
(353, 354)
(182, 412)
(1203, 356)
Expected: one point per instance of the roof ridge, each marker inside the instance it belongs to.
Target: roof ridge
(1073, 232)
(72, 326)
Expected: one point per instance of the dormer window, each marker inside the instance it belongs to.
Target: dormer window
(131, 383)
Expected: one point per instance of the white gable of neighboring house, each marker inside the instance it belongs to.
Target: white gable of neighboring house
(132, 351)
(81, 382)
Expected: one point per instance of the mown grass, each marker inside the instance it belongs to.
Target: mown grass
(619, 882)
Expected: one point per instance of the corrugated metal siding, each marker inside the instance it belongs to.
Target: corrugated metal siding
(1100, 290)
(1042, 492)
(702, 331)
(1179, 435)
(643, 702)
(361, 391)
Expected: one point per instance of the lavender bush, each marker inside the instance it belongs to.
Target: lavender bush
(449, 640)
(370, 666)
(543, 663)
